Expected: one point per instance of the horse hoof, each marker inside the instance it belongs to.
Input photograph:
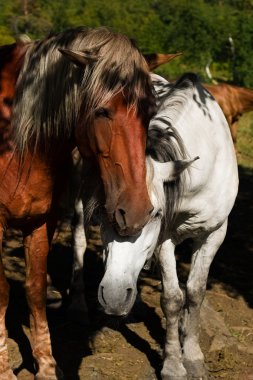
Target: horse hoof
(168, 377)
(57, 376)
(173, 372)
(54, 298)
(196, 370)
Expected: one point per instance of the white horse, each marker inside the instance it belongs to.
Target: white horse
(192, 198)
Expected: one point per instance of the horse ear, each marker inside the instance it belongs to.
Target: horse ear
(154, 60)
(77, 57)
(169, 171)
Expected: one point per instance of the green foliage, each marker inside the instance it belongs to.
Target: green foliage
(245, 140)
(214, 32)
(243, 64)
(5, 36)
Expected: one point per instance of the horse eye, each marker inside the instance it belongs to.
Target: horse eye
(158, 214)
(102, 112)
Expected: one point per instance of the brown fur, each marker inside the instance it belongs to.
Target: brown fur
(234, 102)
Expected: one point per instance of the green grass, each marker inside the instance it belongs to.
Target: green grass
(245, 141)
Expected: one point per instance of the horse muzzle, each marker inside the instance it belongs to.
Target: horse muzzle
(116, 300)
(128, 223)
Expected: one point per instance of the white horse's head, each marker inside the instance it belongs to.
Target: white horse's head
(124, 257)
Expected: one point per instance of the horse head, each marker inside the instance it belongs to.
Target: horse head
(117, 105)
(125, 256)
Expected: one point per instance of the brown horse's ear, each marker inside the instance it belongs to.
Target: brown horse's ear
(77, 57)
(154, 60)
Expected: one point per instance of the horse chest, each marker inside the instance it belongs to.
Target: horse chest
(201, 219)
(25, 196)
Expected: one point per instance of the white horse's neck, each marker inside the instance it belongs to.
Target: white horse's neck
(197, 118)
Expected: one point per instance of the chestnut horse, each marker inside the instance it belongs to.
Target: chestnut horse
(234, 102)
(88, 88)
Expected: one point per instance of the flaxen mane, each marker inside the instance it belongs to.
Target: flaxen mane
(51, 91)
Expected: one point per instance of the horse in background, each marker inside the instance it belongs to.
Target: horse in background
(193, 183)
(84, 87)
(234, 102)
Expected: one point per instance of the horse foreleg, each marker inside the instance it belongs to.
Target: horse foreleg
(5, 370)
(203, 254)
(36, 251)
(78, 308)
(171, 303)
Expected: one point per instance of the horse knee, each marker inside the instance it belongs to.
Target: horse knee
(172, 302)
(195, 294)
(36, 293)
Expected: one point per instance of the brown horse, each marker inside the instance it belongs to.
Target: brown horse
(88, 88)
(234, 102)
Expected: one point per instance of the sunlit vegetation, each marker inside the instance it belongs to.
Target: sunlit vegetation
(213, 33)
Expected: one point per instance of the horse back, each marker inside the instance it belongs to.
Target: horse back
(233, 100)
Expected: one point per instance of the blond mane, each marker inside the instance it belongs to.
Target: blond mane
(51, 91)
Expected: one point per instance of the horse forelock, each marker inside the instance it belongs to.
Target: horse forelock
(120, 68)
(51, 90)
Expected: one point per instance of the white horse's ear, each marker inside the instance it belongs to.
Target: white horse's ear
(77, 57)
(169, 171)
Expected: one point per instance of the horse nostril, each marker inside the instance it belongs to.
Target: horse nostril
(129, 294)
(122, 213)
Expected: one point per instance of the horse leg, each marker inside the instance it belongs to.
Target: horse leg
(77, 298)
(203, 254)
(36, 251)
(5, 370)
(171, 302)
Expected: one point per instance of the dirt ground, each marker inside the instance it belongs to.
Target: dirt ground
(132, 349)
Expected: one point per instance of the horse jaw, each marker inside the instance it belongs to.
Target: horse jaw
(124, 259)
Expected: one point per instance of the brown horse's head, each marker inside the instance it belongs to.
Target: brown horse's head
(114, 116)
(117, 138)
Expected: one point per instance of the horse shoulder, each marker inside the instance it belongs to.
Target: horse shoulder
(211, 183)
